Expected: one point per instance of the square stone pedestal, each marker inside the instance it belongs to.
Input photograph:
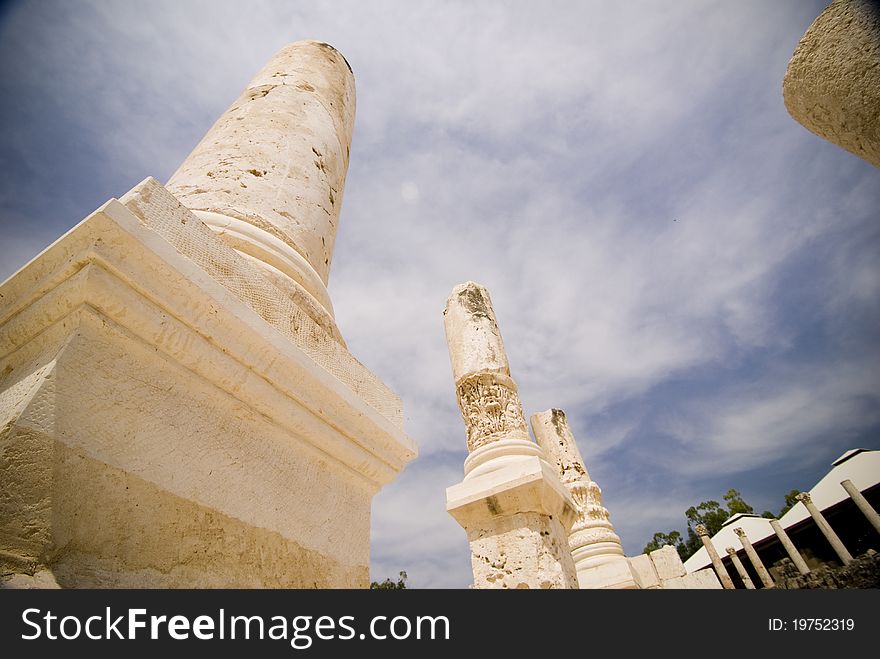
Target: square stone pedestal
(169, 418)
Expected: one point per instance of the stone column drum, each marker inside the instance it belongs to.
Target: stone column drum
(595, 547)
(793, 553)
(720, 570)
(516, 512)
(832, 84)
(763, 575)
(836, 543)
(269, 175)
(740, 568)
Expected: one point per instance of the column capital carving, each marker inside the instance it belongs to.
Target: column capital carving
(702, 530)
(491, 409)
(804, 497)
(740, 532)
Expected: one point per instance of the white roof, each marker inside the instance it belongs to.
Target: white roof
(861, 466)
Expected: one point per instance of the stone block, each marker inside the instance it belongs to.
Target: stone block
(615, 573)
(667, 563)
(158, 430)
(703, 579)
(643, 571)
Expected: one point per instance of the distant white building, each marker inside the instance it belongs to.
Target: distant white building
(861, 467)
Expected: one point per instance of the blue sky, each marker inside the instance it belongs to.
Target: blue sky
(674, 261)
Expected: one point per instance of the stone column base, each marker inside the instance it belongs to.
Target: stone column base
(168, 418)
(517, 519)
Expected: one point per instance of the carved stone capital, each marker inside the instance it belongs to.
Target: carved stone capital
(702, 530)
(804, 497)
(491, 409)
(740, 532)
(731, 551)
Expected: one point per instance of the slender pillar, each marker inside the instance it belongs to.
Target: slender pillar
(862, 503)
(516, 512)
(740, 568)
(832, 84)
(720, 570)
(793, 553)
(269, 175)
(825, 527)
(763, 574)
(595, 548)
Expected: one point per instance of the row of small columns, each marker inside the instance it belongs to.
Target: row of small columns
(823, 525)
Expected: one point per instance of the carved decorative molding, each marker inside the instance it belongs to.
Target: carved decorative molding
(491, 409)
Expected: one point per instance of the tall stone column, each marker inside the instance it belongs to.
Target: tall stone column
(516, 513)
(174, 412)
(595, 548)
(269, 175)
(862, 503)
(793, 553)
(836, 543)
(832, 84)
(763, 575)
(720, 570)
(740, 568)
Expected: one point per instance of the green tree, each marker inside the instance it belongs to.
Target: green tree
(790, 500)
(711, 514)
(735, 503)
(388, 584)
(662, 539)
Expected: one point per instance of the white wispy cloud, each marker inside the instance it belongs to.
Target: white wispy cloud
(673, 260)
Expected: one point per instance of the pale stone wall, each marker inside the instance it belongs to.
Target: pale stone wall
(644, 572)
(832, 85)
(159, 431)
(520, 551)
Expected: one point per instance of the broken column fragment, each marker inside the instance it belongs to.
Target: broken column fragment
(269, 175)
(516, 512)
(595, 548)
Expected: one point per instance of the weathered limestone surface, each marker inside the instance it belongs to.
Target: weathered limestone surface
(161, 425)
(703, 579)
(668, 563)
(511, 504)
(644, 572)
(832, 85)
(663, 568)
(269, 175)
(595, 547)
(517, 520)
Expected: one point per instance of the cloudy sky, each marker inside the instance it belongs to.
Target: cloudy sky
(674, 261)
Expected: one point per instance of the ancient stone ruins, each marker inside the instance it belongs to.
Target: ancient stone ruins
(179, 408)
